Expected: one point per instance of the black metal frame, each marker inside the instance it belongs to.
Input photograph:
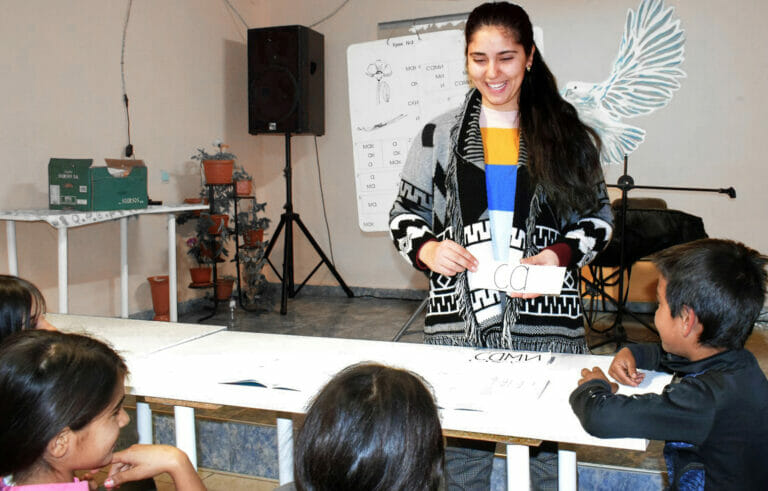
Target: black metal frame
(618, 334)
(287, 219)
(214, 270)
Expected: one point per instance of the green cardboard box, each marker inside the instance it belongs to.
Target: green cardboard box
(75, 185)
(69, 184)
(121, 185)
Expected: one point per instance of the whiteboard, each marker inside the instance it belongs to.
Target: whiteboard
(396, 86)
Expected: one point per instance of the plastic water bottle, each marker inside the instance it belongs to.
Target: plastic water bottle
(231, 323)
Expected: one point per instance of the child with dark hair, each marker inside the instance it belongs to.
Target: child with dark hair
(371, 427)
(61, 410)
(22, 306)
(714, 414)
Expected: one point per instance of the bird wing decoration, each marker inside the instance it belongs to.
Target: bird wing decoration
(644, 77)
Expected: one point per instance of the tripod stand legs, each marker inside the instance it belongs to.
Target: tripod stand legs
(288, 289)
(410, 320)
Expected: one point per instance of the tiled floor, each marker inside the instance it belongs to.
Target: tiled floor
(382, 319)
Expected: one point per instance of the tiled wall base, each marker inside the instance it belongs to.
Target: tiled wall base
(252, 450)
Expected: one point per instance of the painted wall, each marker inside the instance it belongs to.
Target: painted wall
(186, 77)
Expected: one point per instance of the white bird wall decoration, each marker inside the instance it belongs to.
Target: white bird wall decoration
(643, 79)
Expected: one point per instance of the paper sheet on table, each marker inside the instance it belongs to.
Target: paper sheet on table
(515, 277)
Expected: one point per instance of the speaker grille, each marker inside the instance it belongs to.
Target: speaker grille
(285, 80)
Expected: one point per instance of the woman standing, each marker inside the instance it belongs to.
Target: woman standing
(514, 171)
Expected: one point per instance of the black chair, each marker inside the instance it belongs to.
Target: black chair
(649, 227)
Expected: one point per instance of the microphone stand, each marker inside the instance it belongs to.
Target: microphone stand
(618, 334)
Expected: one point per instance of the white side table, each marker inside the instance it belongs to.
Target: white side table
(64, 220)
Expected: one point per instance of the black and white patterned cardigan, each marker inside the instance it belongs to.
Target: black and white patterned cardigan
(442, 196)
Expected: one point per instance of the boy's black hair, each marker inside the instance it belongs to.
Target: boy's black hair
(371, 427)
(723, 281)
(50, 381)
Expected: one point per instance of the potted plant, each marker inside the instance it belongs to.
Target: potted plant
(201, 275)
(224, 286)
(243, 181)
(251, 226)
(254, 279)
(218, 166)
(213, 233)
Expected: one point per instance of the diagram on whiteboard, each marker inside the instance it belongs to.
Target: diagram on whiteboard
(397, 85)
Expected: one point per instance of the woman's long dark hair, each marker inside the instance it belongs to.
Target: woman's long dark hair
(21, 305)
(564, 153)
(371, 427)
(50, 381)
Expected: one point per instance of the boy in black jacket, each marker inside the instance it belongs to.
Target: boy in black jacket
(714, 414)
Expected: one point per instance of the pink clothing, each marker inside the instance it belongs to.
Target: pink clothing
(77, 485)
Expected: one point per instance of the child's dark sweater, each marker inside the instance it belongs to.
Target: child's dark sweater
(713, 417)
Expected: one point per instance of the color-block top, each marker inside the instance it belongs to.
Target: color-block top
(501, 136)
(501, 147)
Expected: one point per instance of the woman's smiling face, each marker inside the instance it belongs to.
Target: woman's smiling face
(496, 65)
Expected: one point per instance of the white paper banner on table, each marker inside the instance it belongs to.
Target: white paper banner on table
(397, 85)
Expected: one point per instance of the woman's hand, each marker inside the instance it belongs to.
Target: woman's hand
(446, 257)
(546, 257)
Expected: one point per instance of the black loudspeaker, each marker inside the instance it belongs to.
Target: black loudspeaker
(286, 87)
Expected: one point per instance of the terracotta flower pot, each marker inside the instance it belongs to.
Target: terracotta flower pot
(196, 201)
(251, 238)
(220, 223)
(243, 188)
(218, 171)
(160, 303)
(200, 275)
(224, 288)
(205, 251)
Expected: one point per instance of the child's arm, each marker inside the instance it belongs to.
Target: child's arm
(145, 461)
(684, 411)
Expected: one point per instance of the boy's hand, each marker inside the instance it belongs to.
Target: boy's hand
(624, 370)
(596, 374)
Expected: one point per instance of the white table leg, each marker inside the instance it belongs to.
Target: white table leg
(285, 450)
(63, 280)
(144, 422)
(172, 294)
(566, 470)
(185, 432)
(124, 267)
(10, 239)
(518, 468)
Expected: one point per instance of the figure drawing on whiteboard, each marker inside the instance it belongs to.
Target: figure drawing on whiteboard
(378, 70)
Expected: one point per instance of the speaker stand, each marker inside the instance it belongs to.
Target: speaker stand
(287, 219)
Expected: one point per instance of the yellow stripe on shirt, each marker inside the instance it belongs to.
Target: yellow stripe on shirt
(501, 146)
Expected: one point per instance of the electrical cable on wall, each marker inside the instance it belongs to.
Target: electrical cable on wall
(322, 199)
(237, 13)
(330, 15)
(129, 147)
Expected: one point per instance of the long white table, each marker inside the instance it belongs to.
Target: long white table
(63, 220)
(518, 398)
